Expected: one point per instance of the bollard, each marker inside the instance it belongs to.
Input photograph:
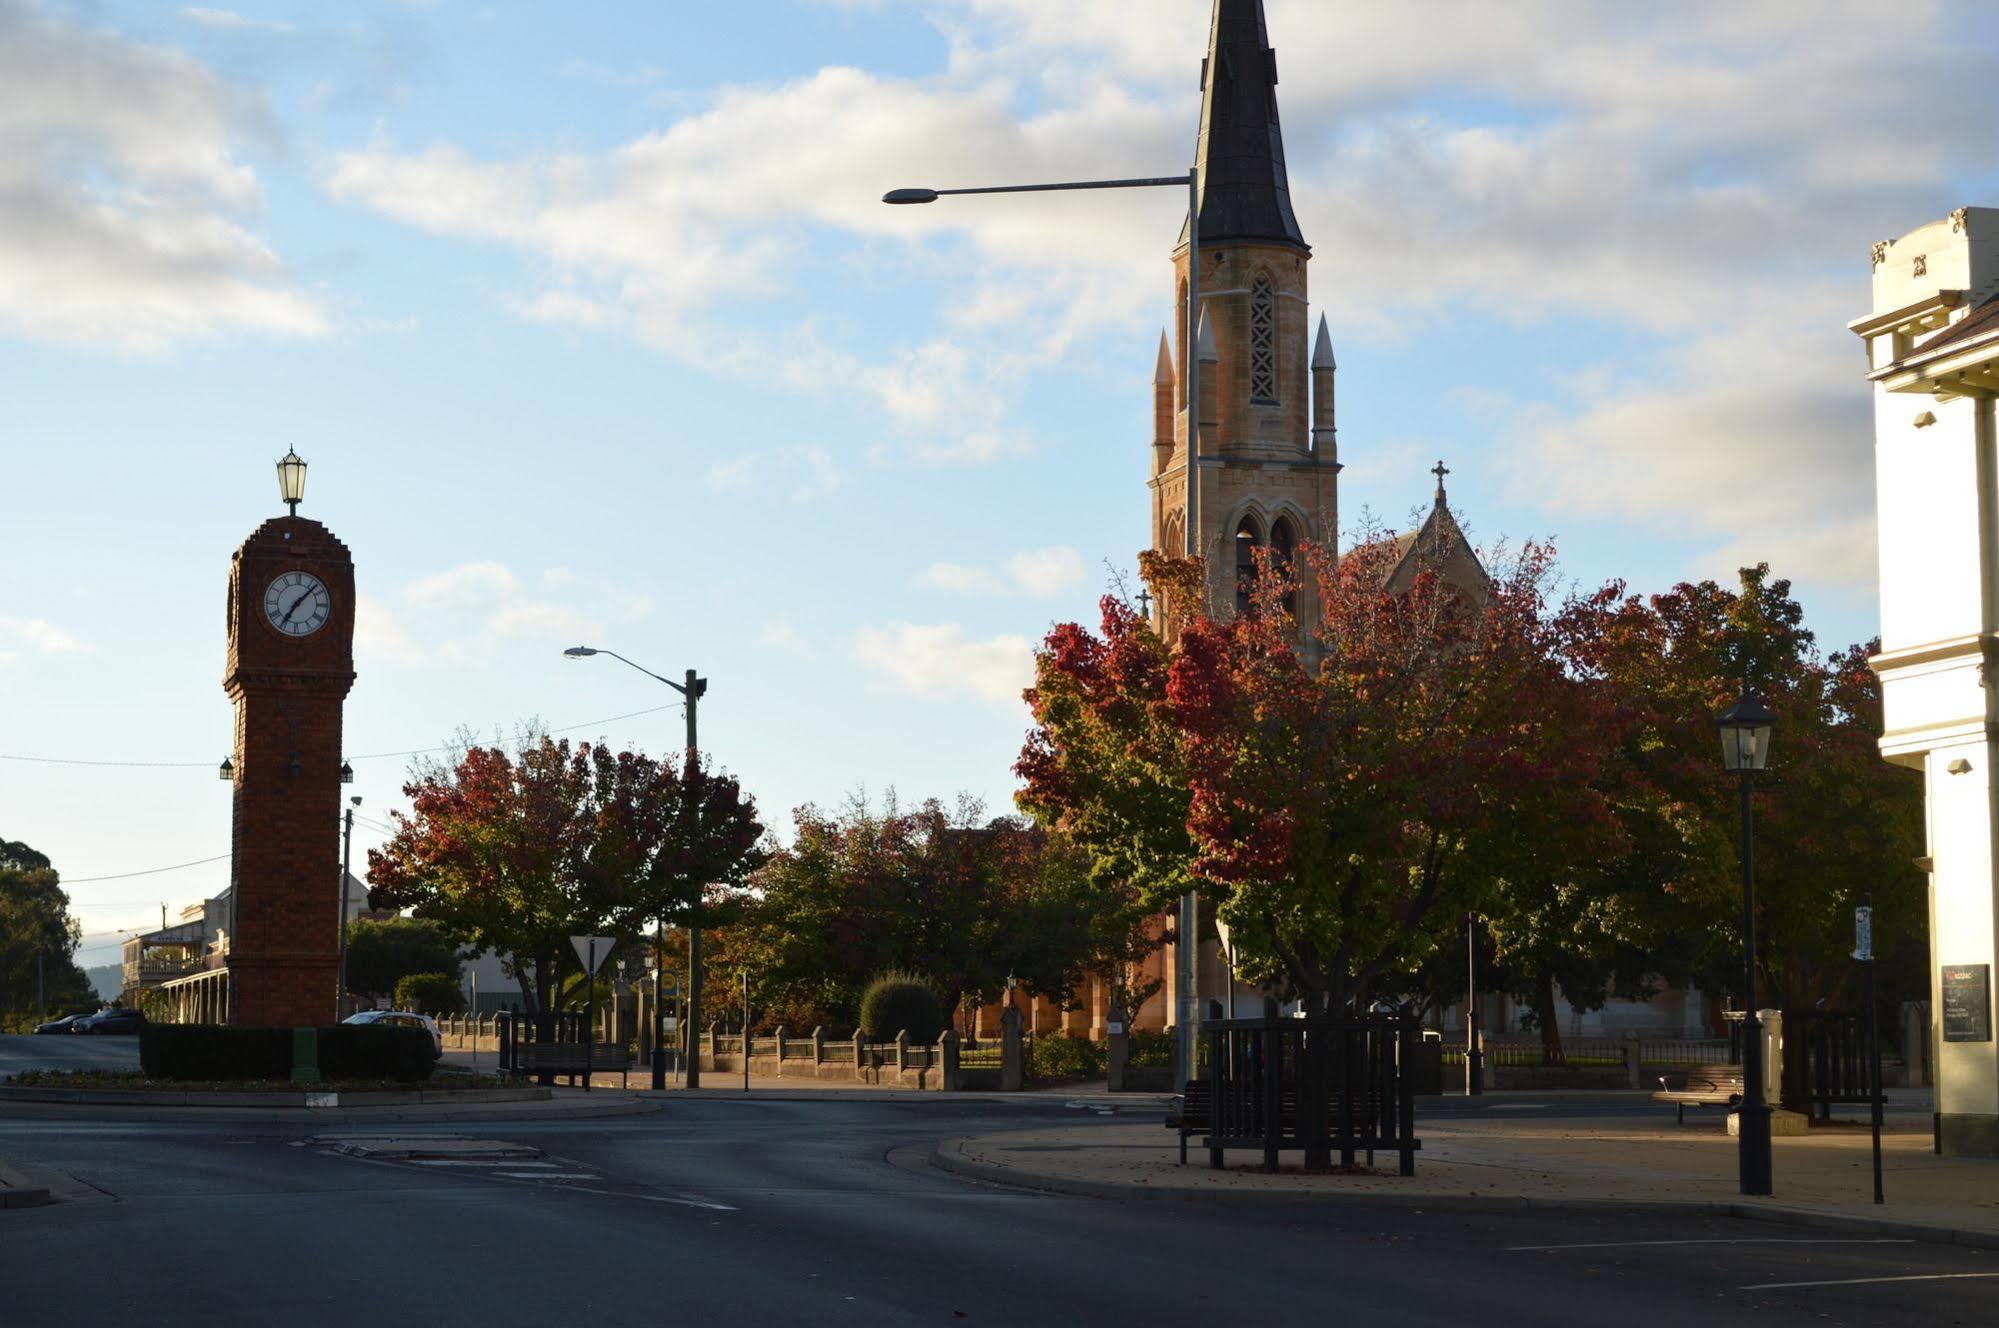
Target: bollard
(818, 1049)
(1634, 1073)
(947, 1058)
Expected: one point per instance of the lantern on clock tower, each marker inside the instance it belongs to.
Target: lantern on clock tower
(290, 667)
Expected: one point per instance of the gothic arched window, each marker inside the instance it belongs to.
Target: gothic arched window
(1283, 542)
(1247, 541)
(1262, 340)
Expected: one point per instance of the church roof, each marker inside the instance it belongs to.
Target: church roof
(1440, 545)
(1245, 193)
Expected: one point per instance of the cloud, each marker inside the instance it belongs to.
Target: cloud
(781, 635)
(460, 615)
(802, 473)
(122, 200)
(942, 661)
(231, 21)
(39, 635)
(1037, 573)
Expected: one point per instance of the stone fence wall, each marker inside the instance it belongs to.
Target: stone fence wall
(814, 1056)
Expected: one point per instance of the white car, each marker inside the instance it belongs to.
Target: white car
(400, 1019)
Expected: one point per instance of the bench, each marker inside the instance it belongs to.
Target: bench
(1700, 1088)
(1195, 1113)
(568, 1058)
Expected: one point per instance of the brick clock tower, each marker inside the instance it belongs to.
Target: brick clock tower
(291, 665)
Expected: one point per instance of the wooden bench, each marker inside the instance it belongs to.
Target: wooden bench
(568, 1058)
(1720, 1087)
(1195, 1113)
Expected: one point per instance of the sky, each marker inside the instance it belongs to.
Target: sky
(592, 329)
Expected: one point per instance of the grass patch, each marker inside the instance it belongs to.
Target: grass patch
(136, 1081)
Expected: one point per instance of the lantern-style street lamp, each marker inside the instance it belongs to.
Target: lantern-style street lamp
(291, 480)
(227, 770)
(1745, 748)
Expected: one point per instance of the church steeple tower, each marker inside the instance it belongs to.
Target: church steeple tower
(1265, 469)
(1245, 193)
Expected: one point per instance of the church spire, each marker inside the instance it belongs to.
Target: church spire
(1245, 193)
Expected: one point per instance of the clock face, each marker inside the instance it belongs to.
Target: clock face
(297, 604)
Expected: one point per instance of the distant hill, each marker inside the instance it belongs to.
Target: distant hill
(109, 979)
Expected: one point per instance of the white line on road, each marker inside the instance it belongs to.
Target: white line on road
(1518, 1106)
(1715, 1240)
(1866, 1281)
(550, 1175)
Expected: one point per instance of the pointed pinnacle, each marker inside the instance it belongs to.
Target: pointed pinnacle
(1322, 349)
(1163, 375)
(1204, 341)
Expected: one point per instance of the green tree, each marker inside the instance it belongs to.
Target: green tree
(35, 924)
(429, 993)
(381, 954)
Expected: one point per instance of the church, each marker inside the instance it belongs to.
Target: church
(1261, 468)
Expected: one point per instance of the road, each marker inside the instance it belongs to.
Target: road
(765, 1212)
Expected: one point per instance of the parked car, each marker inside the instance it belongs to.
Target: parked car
(119, 1019)
(401, 1019)
(66, 1024)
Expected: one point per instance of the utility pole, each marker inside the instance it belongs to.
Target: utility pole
(346, 860)
(746, 1029)
(1474, 1054)
(692, 691)
(41, 1001)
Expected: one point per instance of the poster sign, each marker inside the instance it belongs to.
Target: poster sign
(1863, 933)
(1967, 1002)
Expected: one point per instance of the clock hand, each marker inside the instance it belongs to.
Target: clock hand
(294, 608)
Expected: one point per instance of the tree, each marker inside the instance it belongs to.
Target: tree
(381, 954)
(429, 993)
(519, 853)
(35, 924)
(964, 900)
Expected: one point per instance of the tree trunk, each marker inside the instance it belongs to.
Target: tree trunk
(1545, 1016)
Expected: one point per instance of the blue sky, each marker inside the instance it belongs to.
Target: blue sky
(591, 328)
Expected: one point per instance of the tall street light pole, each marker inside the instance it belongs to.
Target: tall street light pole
(1186, 967)
(346, 866)
(692, 689)
(1745, 748)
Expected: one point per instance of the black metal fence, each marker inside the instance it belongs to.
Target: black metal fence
(1320, 1085)
(1838, 1062)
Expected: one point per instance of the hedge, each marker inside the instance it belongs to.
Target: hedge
(346, 1051)
(901, 1003)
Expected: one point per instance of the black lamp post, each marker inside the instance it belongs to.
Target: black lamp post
(1745, 749)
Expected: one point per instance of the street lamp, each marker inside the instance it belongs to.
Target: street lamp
(694, 688)
(1745, 748)
(227, 770)
(1186, 967)
(291, 480)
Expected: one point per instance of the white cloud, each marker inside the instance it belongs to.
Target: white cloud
(229, 20)
(463, 586)
(460, 615)
(781, 635)
(942, 661)
(1038, 573)
(802, 473)
(122, 198)
(40, 635)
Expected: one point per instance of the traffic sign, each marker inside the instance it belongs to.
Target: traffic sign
(1863, 933)
(592, 951)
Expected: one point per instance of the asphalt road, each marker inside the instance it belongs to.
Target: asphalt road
(767, 1212)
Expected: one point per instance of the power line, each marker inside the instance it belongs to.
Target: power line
(364, 756)
(150, 871)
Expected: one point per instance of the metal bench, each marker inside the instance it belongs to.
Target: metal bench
(1700, 1088)
(1195, 1113)
(569, 1058)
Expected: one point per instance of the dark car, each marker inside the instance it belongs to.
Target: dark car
(66, 1024)
(120, 1020)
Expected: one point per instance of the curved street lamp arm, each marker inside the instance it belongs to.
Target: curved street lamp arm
(642, 669)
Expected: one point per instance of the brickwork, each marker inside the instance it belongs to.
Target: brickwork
(288, 692)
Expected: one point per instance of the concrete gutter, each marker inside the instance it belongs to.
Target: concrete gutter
(223, 1098)
(948, 1156)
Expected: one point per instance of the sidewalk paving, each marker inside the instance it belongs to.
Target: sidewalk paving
(1495, 1160)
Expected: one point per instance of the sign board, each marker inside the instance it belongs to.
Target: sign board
(1967, 1002)
(1115, 1028)
(592, 951)
(669, 1024)
(1863, 933)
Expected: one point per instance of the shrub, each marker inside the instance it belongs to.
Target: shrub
(901, 1003)
(1059, 1056)
(376, 1051)
(1149, 1049)
(207, 1051)
(346, 1051)
(429, 993)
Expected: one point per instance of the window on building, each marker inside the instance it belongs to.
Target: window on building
(1262, 340)
(1247, 541)
(1283, 542)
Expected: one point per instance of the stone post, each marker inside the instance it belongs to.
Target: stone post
(902, 1051)
(713, 1062)
(1013, 1071)
(818, 1048)
(1915, 1045)
(780, 1051)
(1634, 1073)
(947, 1057)
(1117, 1050)
(860, 1055)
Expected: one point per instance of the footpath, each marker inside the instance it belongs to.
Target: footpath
(1500, 1156)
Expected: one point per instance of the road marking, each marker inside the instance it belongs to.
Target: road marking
(1518, 1106)
(1715, 1240)
(1866, 1281)
(549, 1175)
